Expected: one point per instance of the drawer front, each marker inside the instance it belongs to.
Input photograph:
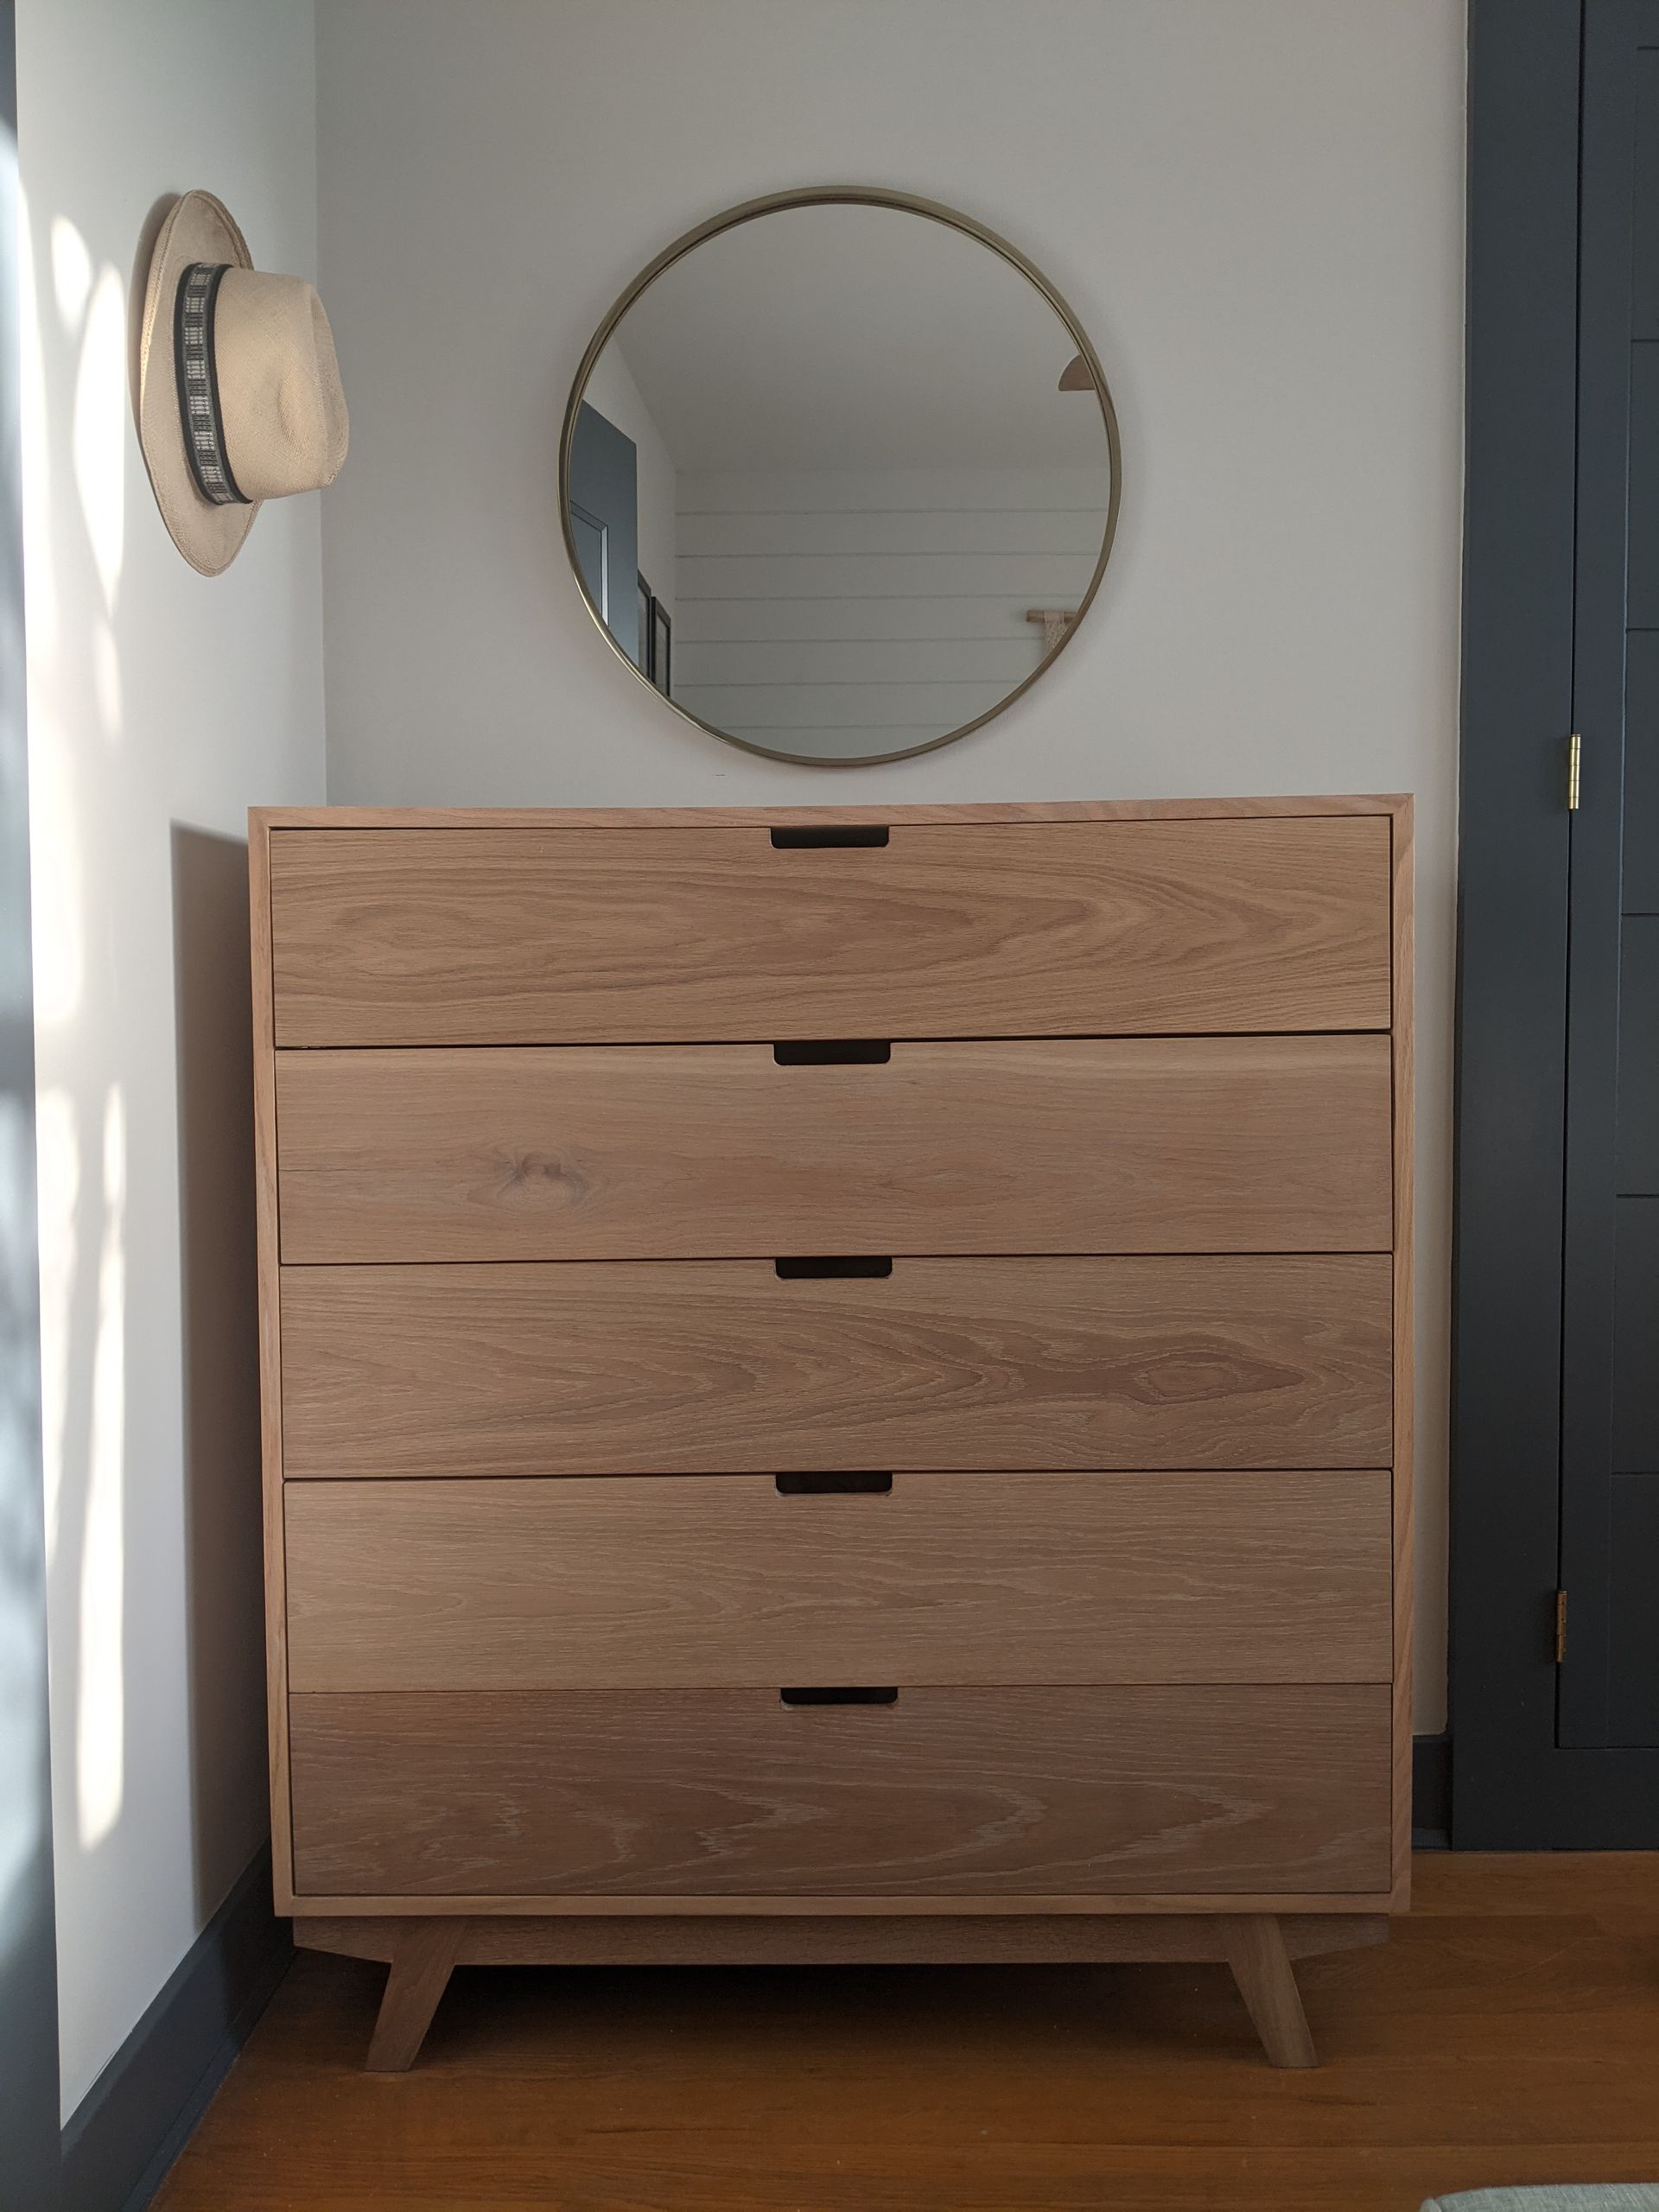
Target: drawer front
(728, 1583)
(720, 1367)
(1135, 1791)
(661, 1152)
(521, 936)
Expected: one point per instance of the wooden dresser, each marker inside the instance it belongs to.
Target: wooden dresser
(838, 1385)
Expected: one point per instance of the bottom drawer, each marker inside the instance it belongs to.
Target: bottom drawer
(1132, 1790)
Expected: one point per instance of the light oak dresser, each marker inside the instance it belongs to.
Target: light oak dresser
(838, 1385)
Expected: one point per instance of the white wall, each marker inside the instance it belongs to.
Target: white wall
(1255, 206)
(161, 705)
(898, 610)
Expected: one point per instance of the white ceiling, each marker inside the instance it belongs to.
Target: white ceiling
(849, 337)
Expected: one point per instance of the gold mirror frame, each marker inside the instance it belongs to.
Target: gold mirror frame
(842, 196)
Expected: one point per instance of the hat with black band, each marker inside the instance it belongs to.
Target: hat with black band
(239, 397)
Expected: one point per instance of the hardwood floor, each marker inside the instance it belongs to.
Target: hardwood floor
(1509, 2032)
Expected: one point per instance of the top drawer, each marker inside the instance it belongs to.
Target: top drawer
(604, 935)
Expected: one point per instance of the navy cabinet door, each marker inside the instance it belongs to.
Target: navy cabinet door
(1609, 1675)
(605, 522)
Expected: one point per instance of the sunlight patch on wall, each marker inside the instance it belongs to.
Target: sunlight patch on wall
(57, 1142)
(98, 441)
(100, 1730)
(57, 891)
(71, 272)
(77, 420)
(106, 680)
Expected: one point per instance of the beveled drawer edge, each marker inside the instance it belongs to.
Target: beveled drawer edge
(828, 1905)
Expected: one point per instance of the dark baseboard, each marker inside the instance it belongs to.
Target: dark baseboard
(138, 2116)
(1431, 1792)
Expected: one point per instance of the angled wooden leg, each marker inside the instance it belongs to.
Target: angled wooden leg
(422, 1953)
(1254, 1946)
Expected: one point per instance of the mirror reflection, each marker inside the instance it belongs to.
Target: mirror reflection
(840, 480)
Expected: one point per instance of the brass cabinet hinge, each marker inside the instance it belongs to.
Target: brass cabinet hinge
(1561, 1626)
(1574, 752)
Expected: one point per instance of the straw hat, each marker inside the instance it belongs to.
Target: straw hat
(238, 390)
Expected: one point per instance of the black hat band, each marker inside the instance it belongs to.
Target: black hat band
(198, 376)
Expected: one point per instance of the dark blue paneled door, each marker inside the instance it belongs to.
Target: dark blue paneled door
(1609, 1672)
(605, 522)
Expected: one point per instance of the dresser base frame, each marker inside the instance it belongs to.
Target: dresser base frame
(1258, 1947)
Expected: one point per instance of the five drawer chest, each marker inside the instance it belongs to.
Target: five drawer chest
(838, 1385)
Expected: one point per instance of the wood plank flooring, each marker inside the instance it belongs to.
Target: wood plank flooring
(1508, 2033)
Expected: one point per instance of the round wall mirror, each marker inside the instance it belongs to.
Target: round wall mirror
(840, 475)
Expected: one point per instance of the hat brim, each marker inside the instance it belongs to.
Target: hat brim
(197, 228)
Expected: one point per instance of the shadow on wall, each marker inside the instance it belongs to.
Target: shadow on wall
(224, 1576)
(146, 237)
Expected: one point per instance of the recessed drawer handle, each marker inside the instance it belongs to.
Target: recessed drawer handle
(809, 1269)
(803, 841)
(826, 1486)
(832, 1053)
(838, 1697)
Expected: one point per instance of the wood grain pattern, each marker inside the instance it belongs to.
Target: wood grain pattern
(424, 1954)
(271, 1359)
(521, 936)
(1256, 1952)
(1218, 1363)
(1620, 1887)
(947, 1791)
(666, 1152)
(659, 1582)
(1405, 1562)
(1507, 2034)
(800, 1939)
(720, 1367)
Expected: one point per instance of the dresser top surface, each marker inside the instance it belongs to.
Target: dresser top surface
(1397, 805)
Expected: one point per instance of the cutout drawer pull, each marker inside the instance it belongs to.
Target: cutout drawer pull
(832, 1053)
(838, 1697)
(824, 1486)
(808, 1269)
(801, 841)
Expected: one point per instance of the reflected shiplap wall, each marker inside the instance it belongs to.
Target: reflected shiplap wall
(1254, 206)
(840, 613)
(161, 704)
